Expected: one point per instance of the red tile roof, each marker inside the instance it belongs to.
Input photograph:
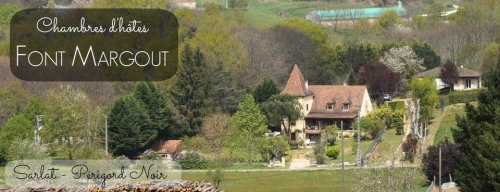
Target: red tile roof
(462, 72)
(296, 84)
(336, 95)
(168, 146)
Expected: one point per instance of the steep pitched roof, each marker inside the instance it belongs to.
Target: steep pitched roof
(462, 72)
(337, 95)
(296, 84)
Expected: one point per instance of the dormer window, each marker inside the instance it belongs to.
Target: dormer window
(345, 107)
(329, 107)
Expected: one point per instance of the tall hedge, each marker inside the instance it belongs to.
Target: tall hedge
(463, 96)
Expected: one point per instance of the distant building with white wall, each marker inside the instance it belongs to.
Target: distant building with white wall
(468, 79)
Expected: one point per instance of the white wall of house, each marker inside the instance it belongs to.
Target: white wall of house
(440, 84)
(366, 104)
(475, 83)
(466, 83)
(306, 103)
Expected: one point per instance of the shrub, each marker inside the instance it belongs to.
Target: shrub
(89, 153)
(410, 147)
(26, 149)
(331, 134)
(333, 152)
(319, 154)
(396, 105)
(192, 160)
(151, 155)
(399, 125)
(451, 158)
(463, 96)
(123, 161)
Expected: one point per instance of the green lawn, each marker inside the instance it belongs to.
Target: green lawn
(350, 150)
(321, 180)
(279, 180)
(386, 150)
(448, 122)
(317, 181)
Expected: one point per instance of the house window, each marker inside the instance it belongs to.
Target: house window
(468, 83)
(345, 107)
(307, 107)
(329, 107)
(293, 136)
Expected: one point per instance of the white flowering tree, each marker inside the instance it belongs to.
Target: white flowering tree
(403, 60)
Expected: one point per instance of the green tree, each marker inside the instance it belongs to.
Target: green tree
(190, 91)
(248, 127)
(129, 127)
(265, 90)
(66, 121)
(20, 126)
(12, 100)
(159, 112)
(7, 10)
(278, 146)
(425, 90)
(388, 19)
(331, 133)
(26, 149)
(489, 55)
(331, 61)
(478, 134)
(17, 128)
(430, 58)
(281, 110)
(222, 93)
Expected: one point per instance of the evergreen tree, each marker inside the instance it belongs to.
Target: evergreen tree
(265, 90)
(431, 59)
(478, 136)
(190, 91)
(248, 127)
(159, 111)
(129, 127)
(224, 95)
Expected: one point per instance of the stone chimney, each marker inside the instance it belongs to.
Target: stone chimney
(345, 83)
(307, 85)
(400, 4)
(462, 66)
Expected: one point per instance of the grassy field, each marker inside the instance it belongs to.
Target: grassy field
(321, 180)
(448, 122)
(387, 148)
(350, 150)
(285, 180)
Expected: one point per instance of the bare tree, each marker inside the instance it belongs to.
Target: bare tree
(214, 129)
